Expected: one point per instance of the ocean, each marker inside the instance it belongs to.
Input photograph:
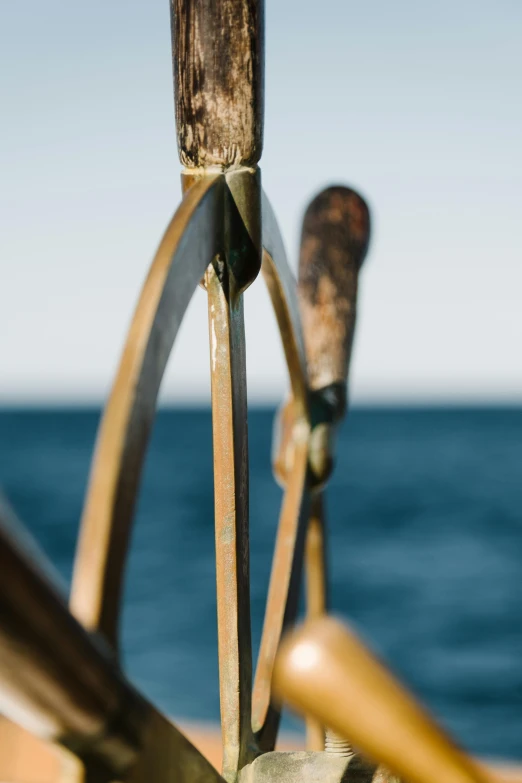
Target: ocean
(425, 549)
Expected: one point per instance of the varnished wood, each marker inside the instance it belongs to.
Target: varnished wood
(322, 669)
(218, 60)
(192, 239)
(230, 438)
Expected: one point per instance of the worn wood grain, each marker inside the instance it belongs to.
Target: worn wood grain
(218, 62)
(334, 241)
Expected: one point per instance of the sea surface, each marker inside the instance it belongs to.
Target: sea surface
(425, 521)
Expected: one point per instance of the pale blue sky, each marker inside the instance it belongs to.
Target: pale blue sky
(415, 103)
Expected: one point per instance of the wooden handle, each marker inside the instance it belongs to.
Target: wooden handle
(324, 671)
(218, 54)
(334, 241)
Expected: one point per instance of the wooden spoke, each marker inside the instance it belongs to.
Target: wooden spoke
(322, 669)
(334, 243)
(218, 48)
(191, 241)
(229, 423)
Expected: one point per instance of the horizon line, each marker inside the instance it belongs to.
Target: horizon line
(90, 404)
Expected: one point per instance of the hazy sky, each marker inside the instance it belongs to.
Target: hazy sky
(418, 104)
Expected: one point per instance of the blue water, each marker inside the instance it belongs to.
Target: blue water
(425, 517)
